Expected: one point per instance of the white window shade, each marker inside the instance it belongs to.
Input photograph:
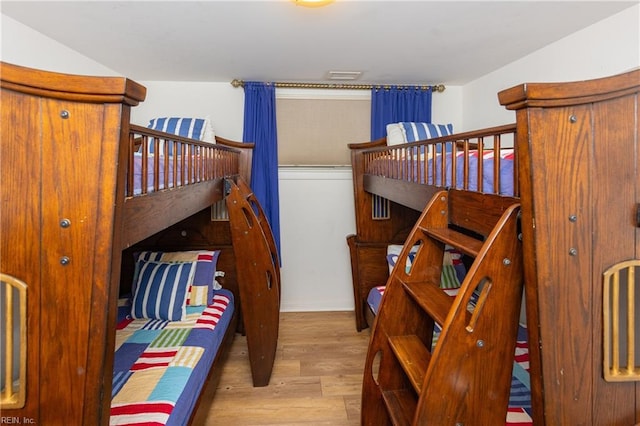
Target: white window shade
(316, 132)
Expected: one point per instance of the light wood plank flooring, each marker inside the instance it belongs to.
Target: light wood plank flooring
(316, 380)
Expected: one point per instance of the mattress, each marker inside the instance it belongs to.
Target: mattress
(519, 410)
(160, 366)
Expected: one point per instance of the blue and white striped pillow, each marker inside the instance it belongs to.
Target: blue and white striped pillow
(414, 132)
(193, 128)
(186, 127)
(409, 131)
(161, 290)
(203, 283)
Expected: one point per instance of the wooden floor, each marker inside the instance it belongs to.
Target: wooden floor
(316, 380)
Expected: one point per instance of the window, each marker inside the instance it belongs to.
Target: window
(314, 129)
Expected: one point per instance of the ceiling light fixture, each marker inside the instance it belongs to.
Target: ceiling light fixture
(312, 3)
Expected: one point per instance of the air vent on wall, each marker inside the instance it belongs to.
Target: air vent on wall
(344, 75)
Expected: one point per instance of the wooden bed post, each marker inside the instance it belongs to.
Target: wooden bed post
(78, 198)
(59, 147)
(368, 247)
(246, 155)
(580, 185)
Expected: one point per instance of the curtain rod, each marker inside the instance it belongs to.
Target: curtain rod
(436, 88)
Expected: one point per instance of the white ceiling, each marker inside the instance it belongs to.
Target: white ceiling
(412, 42)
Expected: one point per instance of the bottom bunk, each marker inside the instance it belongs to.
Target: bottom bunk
(175, 325)
(161, 367)
(184, 294)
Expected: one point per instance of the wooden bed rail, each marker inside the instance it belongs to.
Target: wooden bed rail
(193, 162)
(414, 162)
(461, 137)
(200, 166)
(409, 174)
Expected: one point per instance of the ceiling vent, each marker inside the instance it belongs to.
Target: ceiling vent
(344, 75)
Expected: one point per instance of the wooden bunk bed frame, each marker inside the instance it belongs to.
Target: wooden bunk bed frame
(70, 223)
(576, 154)
(398, 176)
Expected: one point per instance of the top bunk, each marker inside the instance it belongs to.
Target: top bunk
(102, 158)
(410, 173)
(394, 181)
(183, 178)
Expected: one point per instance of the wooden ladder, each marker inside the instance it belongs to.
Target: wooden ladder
(465, 377)
(258, 269)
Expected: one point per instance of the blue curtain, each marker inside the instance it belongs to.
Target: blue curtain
(398, 103)
(260, 128)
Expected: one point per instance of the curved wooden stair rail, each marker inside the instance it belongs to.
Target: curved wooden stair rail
(258, 270)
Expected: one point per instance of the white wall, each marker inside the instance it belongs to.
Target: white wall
(316, 206)
(223, 103)
(608, 47)
(20, 45)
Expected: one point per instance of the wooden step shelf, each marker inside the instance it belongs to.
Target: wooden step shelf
(400, 404)
(414, 357)
(431, 299)
(464, 243)
(416, 384)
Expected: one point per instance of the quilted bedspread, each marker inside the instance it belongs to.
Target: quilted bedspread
(160, 366)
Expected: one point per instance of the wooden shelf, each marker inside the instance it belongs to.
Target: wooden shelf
(431, 298)
(413, 356)
(466, 244)
(401, 405)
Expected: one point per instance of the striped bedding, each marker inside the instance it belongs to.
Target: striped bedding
(519, 410)
(192, 166)
(160, 366)
(137, 173)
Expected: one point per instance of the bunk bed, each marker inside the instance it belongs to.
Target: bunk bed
(392, 185)
(84, 193)
(575, 173)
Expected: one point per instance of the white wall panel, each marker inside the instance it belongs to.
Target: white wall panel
(316, 215)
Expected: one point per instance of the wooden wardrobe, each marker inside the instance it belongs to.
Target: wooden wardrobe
(67, 224)
(580, 182)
